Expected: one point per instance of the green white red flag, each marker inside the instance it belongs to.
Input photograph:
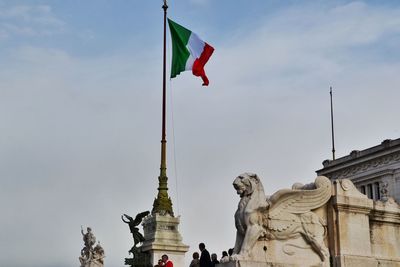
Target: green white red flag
(189, 52)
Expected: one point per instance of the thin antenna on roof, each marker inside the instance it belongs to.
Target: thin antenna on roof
(333, 132)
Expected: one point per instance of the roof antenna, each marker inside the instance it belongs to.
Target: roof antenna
(333, 132)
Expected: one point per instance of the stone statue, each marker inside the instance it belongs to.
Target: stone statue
(384, 191)
(91, 257)
(285, 215)
(98, 253)
(137, 236)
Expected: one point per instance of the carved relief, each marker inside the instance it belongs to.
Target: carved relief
(347, 185)
(372, 164)
(285, 215)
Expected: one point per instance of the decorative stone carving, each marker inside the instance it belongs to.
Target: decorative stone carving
(384, 191)
(91, 256)
(286, 215)
(366, 166)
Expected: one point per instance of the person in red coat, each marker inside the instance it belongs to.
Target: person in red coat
(167, 263)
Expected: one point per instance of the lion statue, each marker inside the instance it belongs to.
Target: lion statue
(285, 215)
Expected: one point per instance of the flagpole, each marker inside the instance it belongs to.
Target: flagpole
(333, 133)
(163, 204)
(163, 136)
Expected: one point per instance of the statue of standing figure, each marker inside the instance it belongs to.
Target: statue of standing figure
(91, 256)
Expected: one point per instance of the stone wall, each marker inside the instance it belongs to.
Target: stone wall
(362, 232)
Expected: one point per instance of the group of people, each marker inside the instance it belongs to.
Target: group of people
(205, 260)
(199, 260)
(164, 262)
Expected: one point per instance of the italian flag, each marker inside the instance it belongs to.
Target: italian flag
(189, 52)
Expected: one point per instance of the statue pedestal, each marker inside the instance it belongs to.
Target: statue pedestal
(162, 237)
(93, 264)
(244, 263)
(280, 253)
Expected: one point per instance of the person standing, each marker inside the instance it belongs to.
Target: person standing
(214, 260)
(160, 263)
(166, 261)
(230, 252)
(205, 259)
(195, 262)
(225, 257)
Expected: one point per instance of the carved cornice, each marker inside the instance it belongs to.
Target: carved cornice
(352, 208)
(386, 211)
(376, 175)
(385, 216)
(352, 204)
(352, 170)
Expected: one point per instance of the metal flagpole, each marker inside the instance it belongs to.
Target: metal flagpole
(162, 204)
(333, 132)
(163, 135)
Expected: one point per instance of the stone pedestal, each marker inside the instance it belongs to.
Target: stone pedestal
(93, 264)
(293, 252)
(162, 236)
(244, 263)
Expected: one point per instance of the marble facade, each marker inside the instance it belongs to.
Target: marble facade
(374, 171)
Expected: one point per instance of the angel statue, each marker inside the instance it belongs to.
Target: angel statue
(287, 214)
(133, 223)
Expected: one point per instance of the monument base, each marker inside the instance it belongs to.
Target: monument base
(162, 237)
(93, 264)
(350, 260)
(280, 253)
(244, 263)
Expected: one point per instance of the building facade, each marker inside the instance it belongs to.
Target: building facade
(374, 171)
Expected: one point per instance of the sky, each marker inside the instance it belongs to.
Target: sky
(80, 112)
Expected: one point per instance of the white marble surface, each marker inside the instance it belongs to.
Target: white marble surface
(162, 236)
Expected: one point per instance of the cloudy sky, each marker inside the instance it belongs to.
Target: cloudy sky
(80, 112)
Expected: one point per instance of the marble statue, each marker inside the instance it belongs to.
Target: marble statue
(384, 191)
(91, 256)
(285, 215)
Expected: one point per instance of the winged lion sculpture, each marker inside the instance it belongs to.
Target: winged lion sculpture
(285, 215)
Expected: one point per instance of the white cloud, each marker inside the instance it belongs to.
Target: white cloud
(29, 20)
(310, 40)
